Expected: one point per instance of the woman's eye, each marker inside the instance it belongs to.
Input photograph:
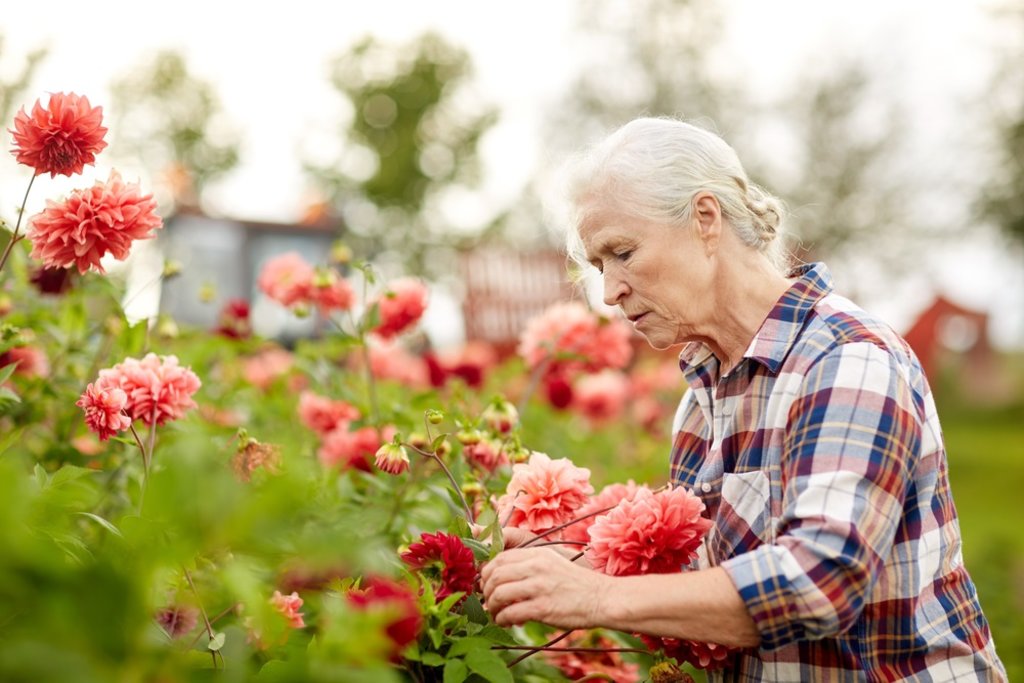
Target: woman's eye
(624, 255)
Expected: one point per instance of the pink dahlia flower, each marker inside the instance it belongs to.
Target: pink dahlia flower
(390, 360)
(486, 453)
(288, 606)
(601, 397)
(323, 415)
(609, 497)
(104, 410)
(445, 560)
(401, 306)
(60, 138)
(178, 620)
(262, 369)
(654, 533)
(353, 449)
(544, 493)
(287, 279)
(158, 389)
(89, 224)
(32, 361)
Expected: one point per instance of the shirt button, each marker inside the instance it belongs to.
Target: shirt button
(705, 487)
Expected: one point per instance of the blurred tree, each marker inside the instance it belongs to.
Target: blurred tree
(172, 122)
(12, 91)
(841, 181)
(12, 98)
(410, 144)
(1001, 199)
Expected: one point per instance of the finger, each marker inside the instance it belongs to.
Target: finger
(510, 593)
(518, 613)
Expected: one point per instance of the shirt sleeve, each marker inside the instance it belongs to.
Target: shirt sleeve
(852, 438)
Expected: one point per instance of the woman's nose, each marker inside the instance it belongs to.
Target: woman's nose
(614, 289)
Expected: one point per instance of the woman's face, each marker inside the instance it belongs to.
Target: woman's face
(657, 274)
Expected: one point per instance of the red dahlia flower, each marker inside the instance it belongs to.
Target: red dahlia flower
(697, 654)
(445, 560)
(60, 138)
(401, 306)
(89, 224)
(384, 594)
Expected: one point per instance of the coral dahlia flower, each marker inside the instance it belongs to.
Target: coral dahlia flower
(287, 279)
(609, 497)
(324, 415)
(570, 337)
(158, 389)
(104, 410)
(103, 219)
(544, 493)
(445, 560)
(654, 533)
(601, 397)
(61, 137)
(401, 306)
(177, 620)
(288, 606)
(353, 449)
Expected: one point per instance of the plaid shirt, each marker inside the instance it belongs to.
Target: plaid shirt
(820, 460)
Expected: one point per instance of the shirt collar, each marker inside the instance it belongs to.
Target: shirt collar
(774, 339)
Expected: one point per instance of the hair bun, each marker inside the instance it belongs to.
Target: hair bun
(767, 212)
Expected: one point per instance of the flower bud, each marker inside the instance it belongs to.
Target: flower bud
(469, 437)
(207, 292)
(435, 417)
(392, 458)
(172, 267)
(500, 416)
(340, 253)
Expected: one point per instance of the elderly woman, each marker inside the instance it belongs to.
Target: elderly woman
(808, 430)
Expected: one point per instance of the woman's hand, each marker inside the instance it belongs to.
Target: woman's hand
(539, 584)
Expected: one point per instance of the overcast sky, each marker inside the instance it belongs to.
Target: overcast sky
(270, 69)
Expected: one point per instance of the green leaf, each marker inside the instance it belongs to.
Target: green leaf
(481, 552)
(69, 473)
(42, 478)
(474, 610)
(455, 671)
(6, 372)
(438, 442)
(217, 642)
(8, 396)
(461, 647)
(432, 659)
(489, 665)
(103, 523)
(496, 634)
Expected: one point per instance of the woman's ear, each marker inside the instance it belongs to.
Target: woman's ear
(708, 215)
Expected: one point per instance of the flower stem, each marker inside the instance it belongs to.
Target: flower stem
(569, 523)
(202, 610)
(451, 478)
(532, 650)
(145, 465)
(17, 225)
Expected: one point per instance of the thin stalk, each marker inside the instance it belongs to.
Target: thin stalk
(202, 610)
(532, 650)
(145, 465)
(451, 478)
(17, 225)
(569, 523)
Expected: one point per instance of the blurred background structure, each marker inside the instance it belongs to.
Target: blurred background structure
(425, 136)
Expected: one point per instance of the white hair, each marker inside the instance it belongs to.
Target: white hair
(653, 167)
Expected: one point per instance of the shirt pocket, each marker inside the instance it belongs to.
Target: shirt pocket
(744, 515)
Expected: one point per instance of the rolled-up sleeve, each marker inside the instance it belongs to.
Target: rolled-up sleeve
(853, 435)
